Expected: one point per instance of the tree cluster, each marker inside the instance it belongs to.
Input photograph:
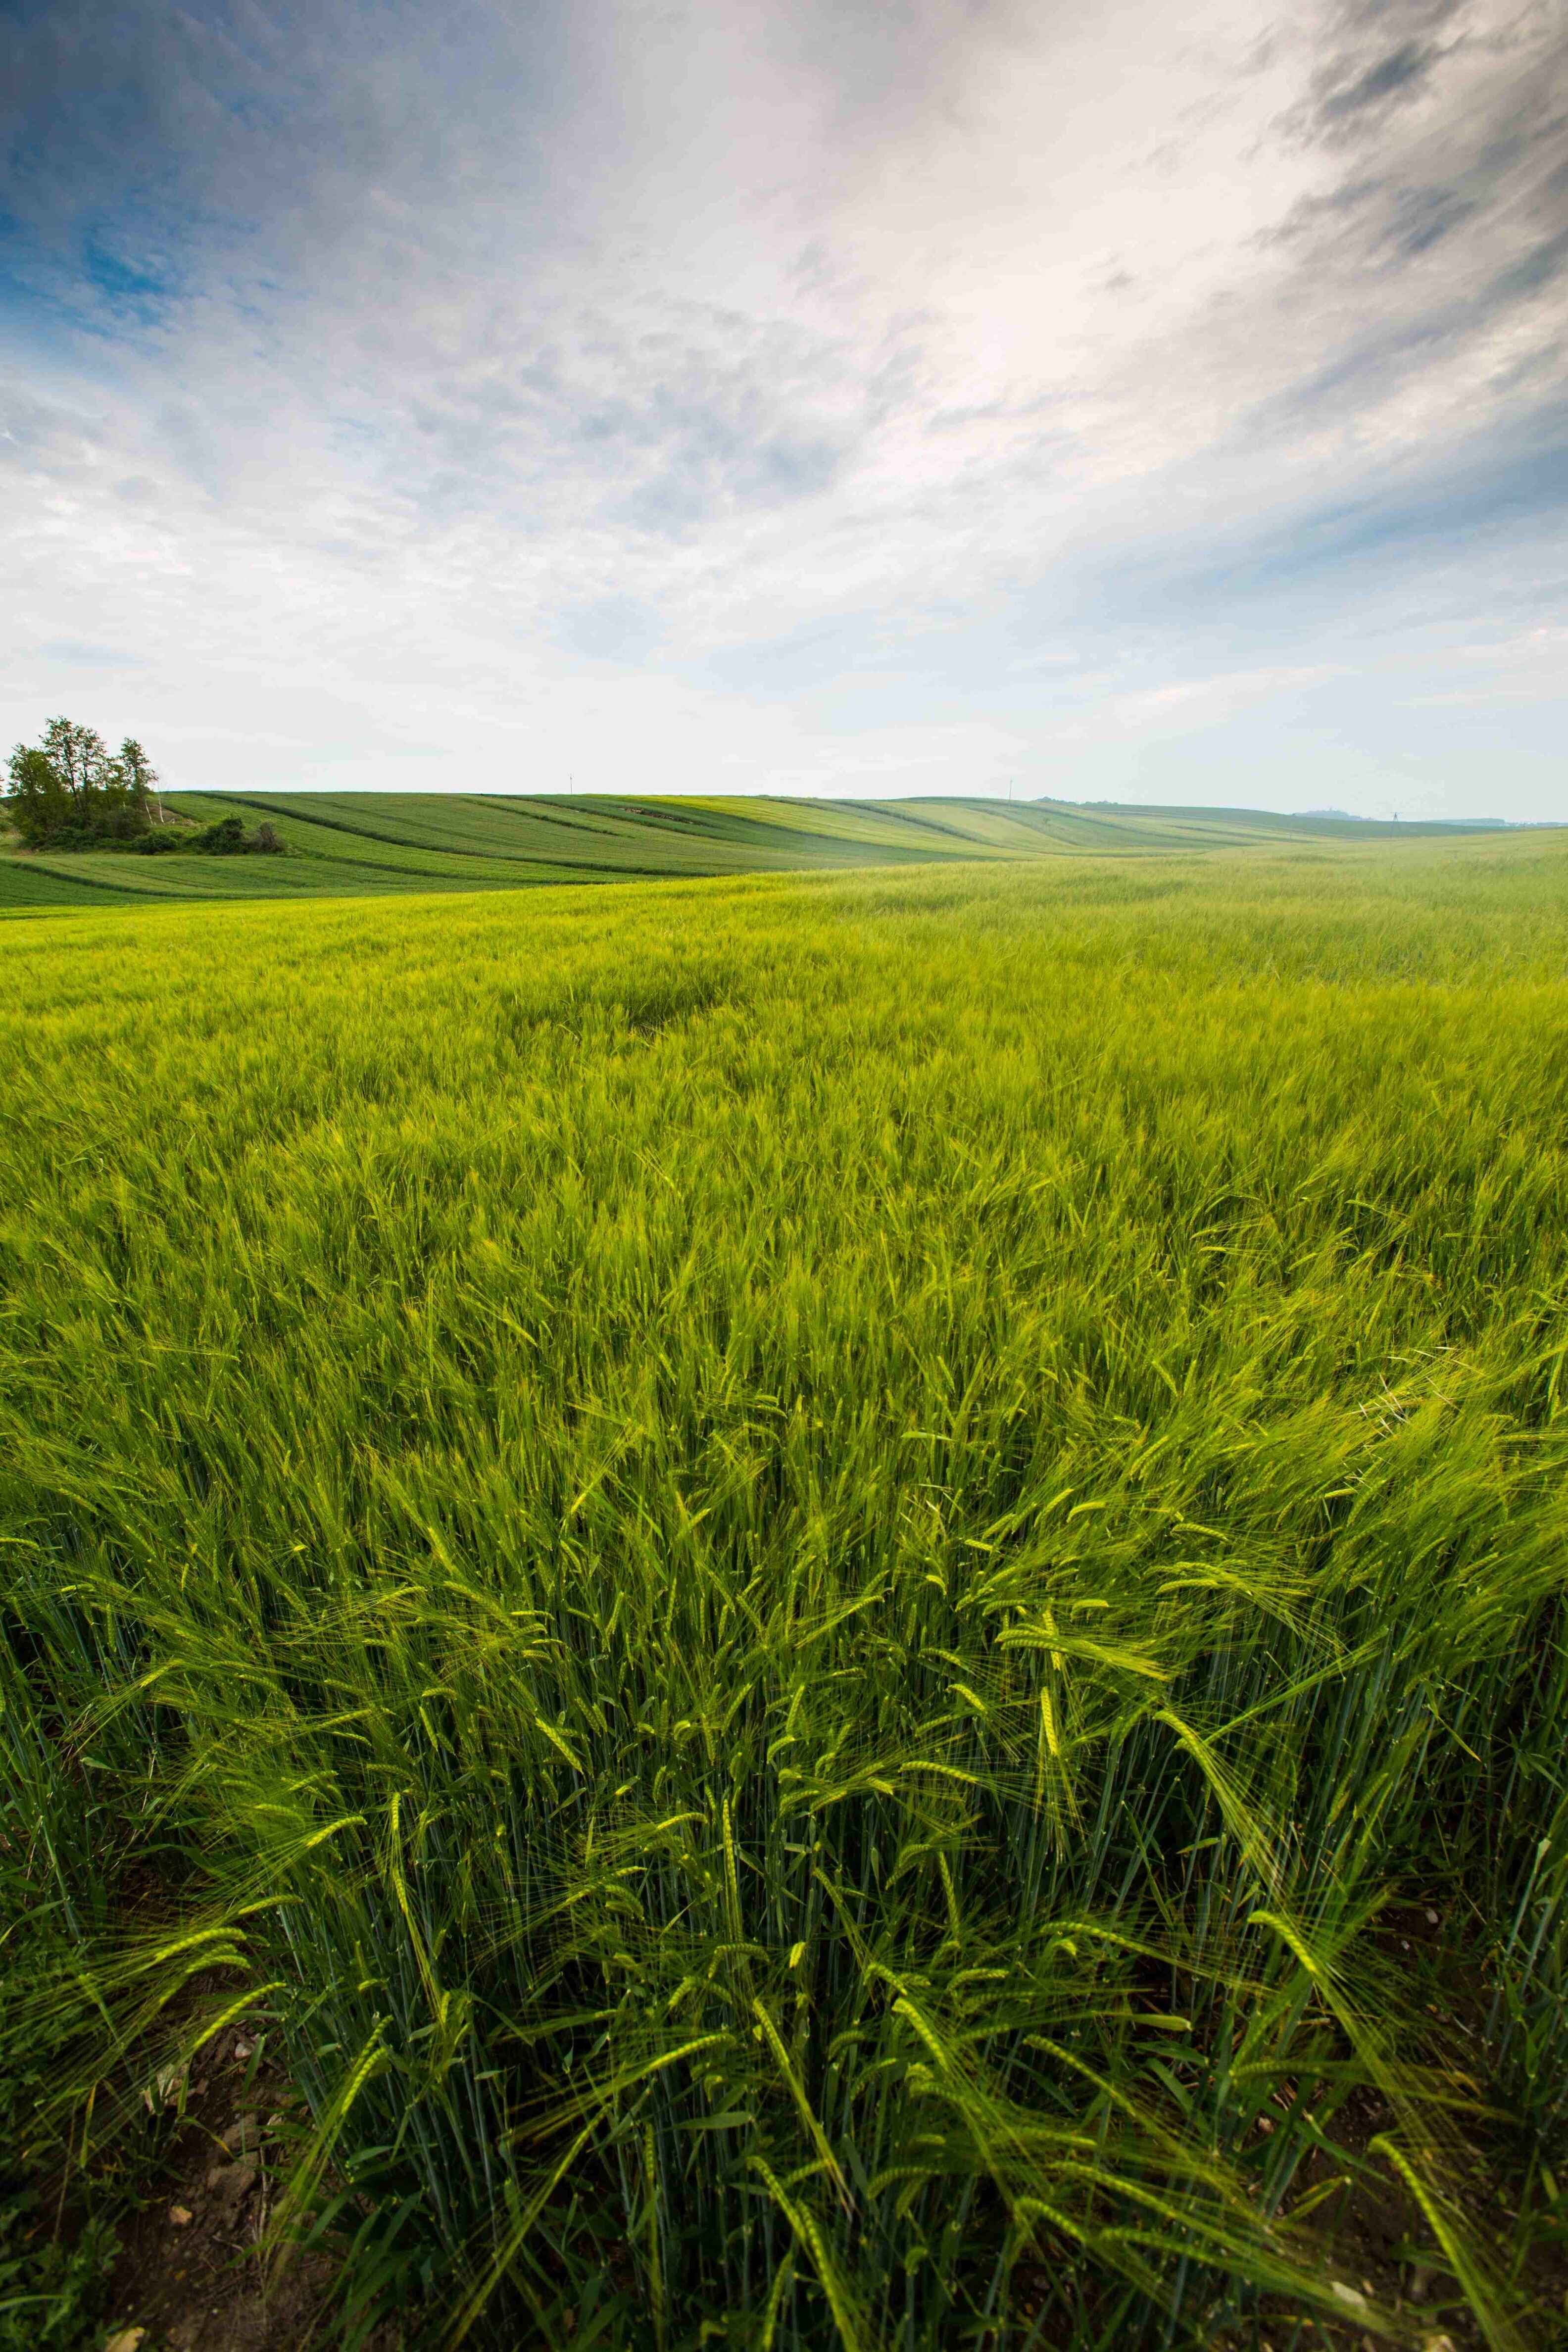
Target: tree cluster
(70, 791)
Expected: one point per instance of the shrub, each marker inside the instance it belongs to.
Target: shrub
(223, 839)
(228, 838)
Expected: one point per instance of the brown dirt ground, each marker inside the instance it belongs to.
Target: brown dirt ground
(193, 2275)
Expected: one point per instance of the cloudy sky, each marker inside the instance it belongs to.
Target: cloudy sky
(1162, 399)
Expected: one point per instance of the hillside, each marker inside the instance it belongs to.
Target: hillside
(368, 843)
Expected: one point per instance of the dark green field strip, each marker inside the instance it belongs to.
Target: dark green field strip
(515, 832)
(1034, 829)
(106, 879)
(657, 834)
(766, 835)
(649, 836)
(372, 835)
(643, 838)
(26, 887)
(851, 831)
(463, 844)
(425, 827)
(1320, 825)
(364, 845)
(634, 836)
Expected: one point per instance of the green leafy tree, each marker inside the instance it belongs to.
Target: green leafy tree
(37, 803)
(80, 759)
(139, 776)
(69, 793)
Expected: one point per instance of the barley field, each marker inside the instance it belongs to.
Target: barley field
(836, 1601)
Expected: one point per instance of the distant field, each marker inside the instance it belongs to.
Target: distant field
(835, 1603)
(371, 844)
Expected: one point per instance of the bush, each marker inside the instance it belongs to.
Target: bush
(228, 838)
(223, 839)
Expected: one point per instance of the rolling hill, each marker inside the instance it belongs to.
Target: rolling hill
(369, 844)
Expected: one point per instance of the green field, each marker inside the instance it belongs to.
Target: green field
(837, 1599)
(368, 843)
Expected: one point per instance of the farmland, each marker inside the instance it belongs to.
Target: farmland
(374, 845)
(834, 1600)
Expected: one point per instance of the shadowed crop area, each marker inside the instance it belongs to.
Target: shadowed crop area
(834, 1601)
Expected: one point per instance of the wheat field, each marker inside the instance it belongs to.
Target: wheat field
(841, 1597)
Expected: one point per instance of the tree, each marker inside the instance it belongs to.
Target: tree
(67, 792)
(80, 757)
(138, 775)
(38, 802)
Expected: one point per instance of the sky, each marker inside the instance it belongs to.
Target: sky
(1162, 400)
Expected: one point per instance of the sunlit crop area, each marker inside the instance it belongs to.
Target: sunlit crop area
(841, 1599)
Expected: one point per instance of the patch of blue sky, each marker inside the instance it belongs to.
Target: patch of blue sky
(72, 655)
(128, 283)
(110, 274)
(814, 654)
(1290, 575)
(617, 631)
(1523, 489)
